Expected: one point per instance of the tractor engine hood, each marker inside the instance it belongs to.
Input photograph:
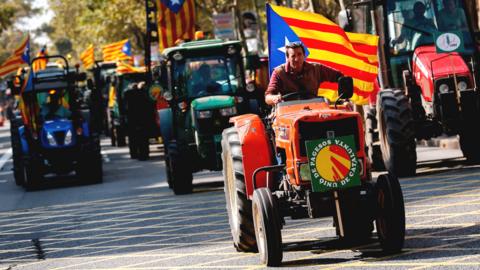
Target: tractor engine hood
(431, 65)
(58, 134)
(428, 66)
(212, 102)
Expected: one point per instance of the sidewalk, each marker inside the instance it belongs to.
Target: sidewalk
(449, 142)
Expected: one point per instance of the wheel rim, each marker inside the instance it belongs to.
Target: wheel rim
(259, 230)
(381, 222)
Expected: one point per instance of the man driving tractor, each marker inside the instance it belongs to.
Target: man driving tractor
(53, 108)
(297, 75)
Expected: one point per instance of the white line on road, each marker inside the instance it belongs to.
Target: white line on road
(105, 157)
(5, 158)
(3, 181)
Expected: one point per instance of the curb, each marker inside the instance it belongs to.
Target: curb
(441, 142)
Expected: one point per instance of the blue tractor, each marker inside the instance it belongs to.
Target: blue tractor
(55, 135)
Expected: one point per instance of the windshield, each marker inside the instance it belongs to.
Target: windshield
(412, 23)
(207, 76)
(54, 104)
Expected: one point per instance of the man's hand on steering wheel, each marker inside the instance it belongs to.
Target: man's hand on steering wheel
(298, 96)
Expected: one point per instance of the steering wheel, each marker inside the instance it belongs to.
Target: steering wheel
(298, 96)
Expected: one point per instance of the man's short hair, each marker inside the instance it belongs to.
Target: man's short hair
(294, 45)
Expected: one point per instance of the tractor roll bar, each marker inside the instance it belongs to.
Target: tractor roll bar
(51, 56)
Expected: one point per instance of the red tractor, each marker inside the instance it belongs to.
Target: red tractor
(428, 78)
(306, 160)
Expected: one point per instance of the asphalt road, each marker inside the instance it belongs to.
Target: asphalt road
(133, 221)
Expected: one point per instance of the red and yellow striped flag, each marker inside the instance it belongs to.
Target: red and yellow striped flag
(41, 63)
(353, 54)
(88, 57)
(123, 68)
(176, 20)
(116, 51)
(20, 58)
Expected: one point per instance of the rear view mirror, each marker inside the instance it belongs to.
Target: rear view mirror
(90, 83)
(345, 87)
(252, 62)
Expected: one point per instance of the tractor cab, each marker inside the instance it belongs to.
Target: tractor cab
(55, 134)
(204, 84)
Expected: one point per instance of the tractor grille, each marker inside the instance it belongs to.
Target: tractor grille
(59, 137)
(318, 130)
(213, 125)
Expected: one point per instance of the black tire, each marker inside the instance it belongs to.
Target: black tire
(266, 219)
(390, 220)
(180, 170)
(469, 143)
(239, 208)
(372, 140)
(396, 132)
(356, 219)
(90, 168)
(17, 157)
(120, 136)
(32, 174)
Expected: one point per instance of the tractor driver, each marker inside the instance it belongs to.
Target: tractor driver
(53, 108)
(297, 75)
(205, 84)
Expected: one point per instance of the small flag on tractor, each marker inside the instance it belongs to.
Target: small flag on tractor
(88, 57)
(123, 68)
(41, 63)
(121, 50)
(176, 20)
(20, 58)
(353, 54)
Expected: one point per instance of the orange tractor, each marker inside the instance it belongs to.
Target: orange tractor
(306, 160)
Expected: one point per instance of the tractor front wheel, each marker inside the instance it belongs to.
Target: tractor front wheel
(266, 219)
(390, 220)
(396, 132)
(32, 174)
(239, 207)
(469, 143)
(180, 170)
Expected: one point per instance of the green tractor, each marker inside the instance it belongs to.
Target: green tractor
(204, 84)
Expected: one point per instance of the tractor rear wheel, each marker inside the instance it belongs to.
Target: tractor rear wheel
(239, 207)
(396, 132)
(180, 170)
(268, 225)
(390, 220)
(90, 168)
(372, 139)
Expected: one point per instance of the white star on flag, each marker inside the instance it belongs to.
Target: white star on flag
(283, 49)
(175, 2)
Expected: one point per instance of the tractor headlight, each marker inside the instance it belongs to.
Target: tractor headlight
(228, 111)
(51, 139)
(68, 137)
(305, 172)
(462, 85)
(204, 114)
(443, 88)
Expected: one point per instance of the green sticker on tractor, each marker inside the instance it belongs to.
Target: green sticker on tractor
(333, 163)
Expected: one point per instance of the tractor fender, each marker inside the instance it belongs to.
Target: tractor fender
(256, 149)
(23, 139)
(166, 122)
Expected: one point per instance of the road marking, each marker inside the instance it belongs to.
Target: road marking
(3, 181)
(105, 157)
(5, 158)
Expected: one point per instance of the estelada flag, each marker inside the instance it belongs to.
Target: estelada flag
(20, 58)
(123, 68)
(121, 50)
(88, 57)
(353, 54)
(176, 20)
(41, 63)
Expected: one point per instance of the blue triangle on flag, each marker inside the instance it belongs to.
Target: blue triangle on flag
(26, 53)
(127, 48)
(279, 34)
(173, 5)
